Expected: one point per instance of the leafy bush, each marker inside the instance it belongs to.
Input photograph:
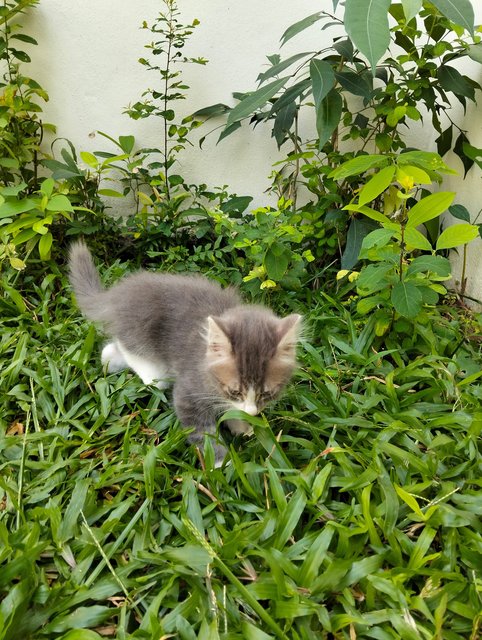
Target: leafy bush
(364, 97)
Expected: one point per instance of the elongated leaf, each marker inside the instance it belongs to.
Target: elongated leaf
(457, 235)
(366, 22)
(358, 165)
(59, 202)
(376, 185)
(459, 11)
(372, 278)
(255, 100)
(358, 231)
(429, 208)
(328, 116)
(358, 85)
(416, 240)
(290, 518)
(291, 94)
(14, 207)
(44, 246)
(367, 211)
(407, 299)
(434, 264)
(276, 69)
(475, 52)
(411, 8)
(299, 26)
(428, 160)
(409, 500)
(322, 80)
(452, 80)
(460, 212)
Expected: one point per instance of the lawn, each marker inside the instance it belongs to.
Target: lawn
(353, 511)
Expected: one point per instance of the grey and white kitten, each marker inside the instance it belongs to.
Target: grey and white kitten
(186, 329)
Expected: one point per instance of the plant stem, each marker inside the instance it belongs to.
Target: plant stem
(166, 89)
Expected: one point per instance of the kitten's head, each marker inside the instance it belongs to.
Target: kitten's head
(250, 355)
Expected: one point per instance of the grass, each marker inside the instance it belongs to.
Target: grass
(353, 512)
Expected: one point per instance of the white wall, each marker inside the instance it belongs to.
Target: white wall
(87, 62)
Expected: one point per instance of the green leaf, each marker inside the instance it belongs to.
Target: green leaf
(126, 143)
(358, 165)
(367, 211)
(459, 11)
(358, 231)
(81, 634)
(15, 296)
(416, 240)
(14, 207)
(328, 116)
(452, 80)
(290, 518)
(366, 23)
(89, 159)
(418, 175)
(376, 185)
(377, 238)
(410, 501)
(429, 208)
(149, 463)
(372, 278)
(47, 187)
(428, 160)
(322, 80)
(355, 83)
(59, 202)
(457, 235)
(411, 8)
(406, 299)
(434, 264)
(276, 265)
(460, 212)
(110, 193)
(255, 100)
(475, 52)
(44, 246)
(276, 69)
(299, 26)
(291, 94)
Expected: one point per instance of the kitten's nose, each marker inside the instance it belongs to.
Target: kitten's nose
(250, 409)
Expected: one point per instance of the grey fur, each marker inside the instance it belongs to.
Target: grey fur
(163, 317)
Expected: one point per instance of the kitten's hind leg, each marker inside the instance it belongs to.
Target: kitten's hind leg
(148, 371)
(112, 358)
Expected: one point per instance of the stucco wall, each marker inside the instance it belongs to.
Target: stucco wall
(87, 61)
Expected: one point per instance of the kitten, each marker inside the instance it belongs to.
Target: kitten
(186, 329)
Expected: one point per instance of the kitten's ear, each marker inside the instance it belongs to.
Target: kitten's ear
(289, 332)
(219, 345)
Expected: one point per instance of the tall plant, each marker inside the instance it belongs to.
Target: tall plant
(169, 39)
(393, 66)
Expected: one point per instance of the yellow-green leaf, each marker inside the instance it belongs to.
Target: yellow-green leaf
(457, 235)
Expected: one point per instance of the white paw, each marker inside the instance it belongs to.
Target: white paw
(112, 358)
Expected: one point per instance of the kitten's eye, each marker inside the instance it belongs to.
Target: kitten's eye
(235, 393)
(266, 396)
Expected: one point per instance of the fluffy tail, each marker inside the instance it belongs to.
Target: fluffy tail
(85, 281)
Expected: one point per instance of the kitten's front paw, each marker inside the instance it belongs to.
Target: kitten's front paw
(220, 454)
(240, 428)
